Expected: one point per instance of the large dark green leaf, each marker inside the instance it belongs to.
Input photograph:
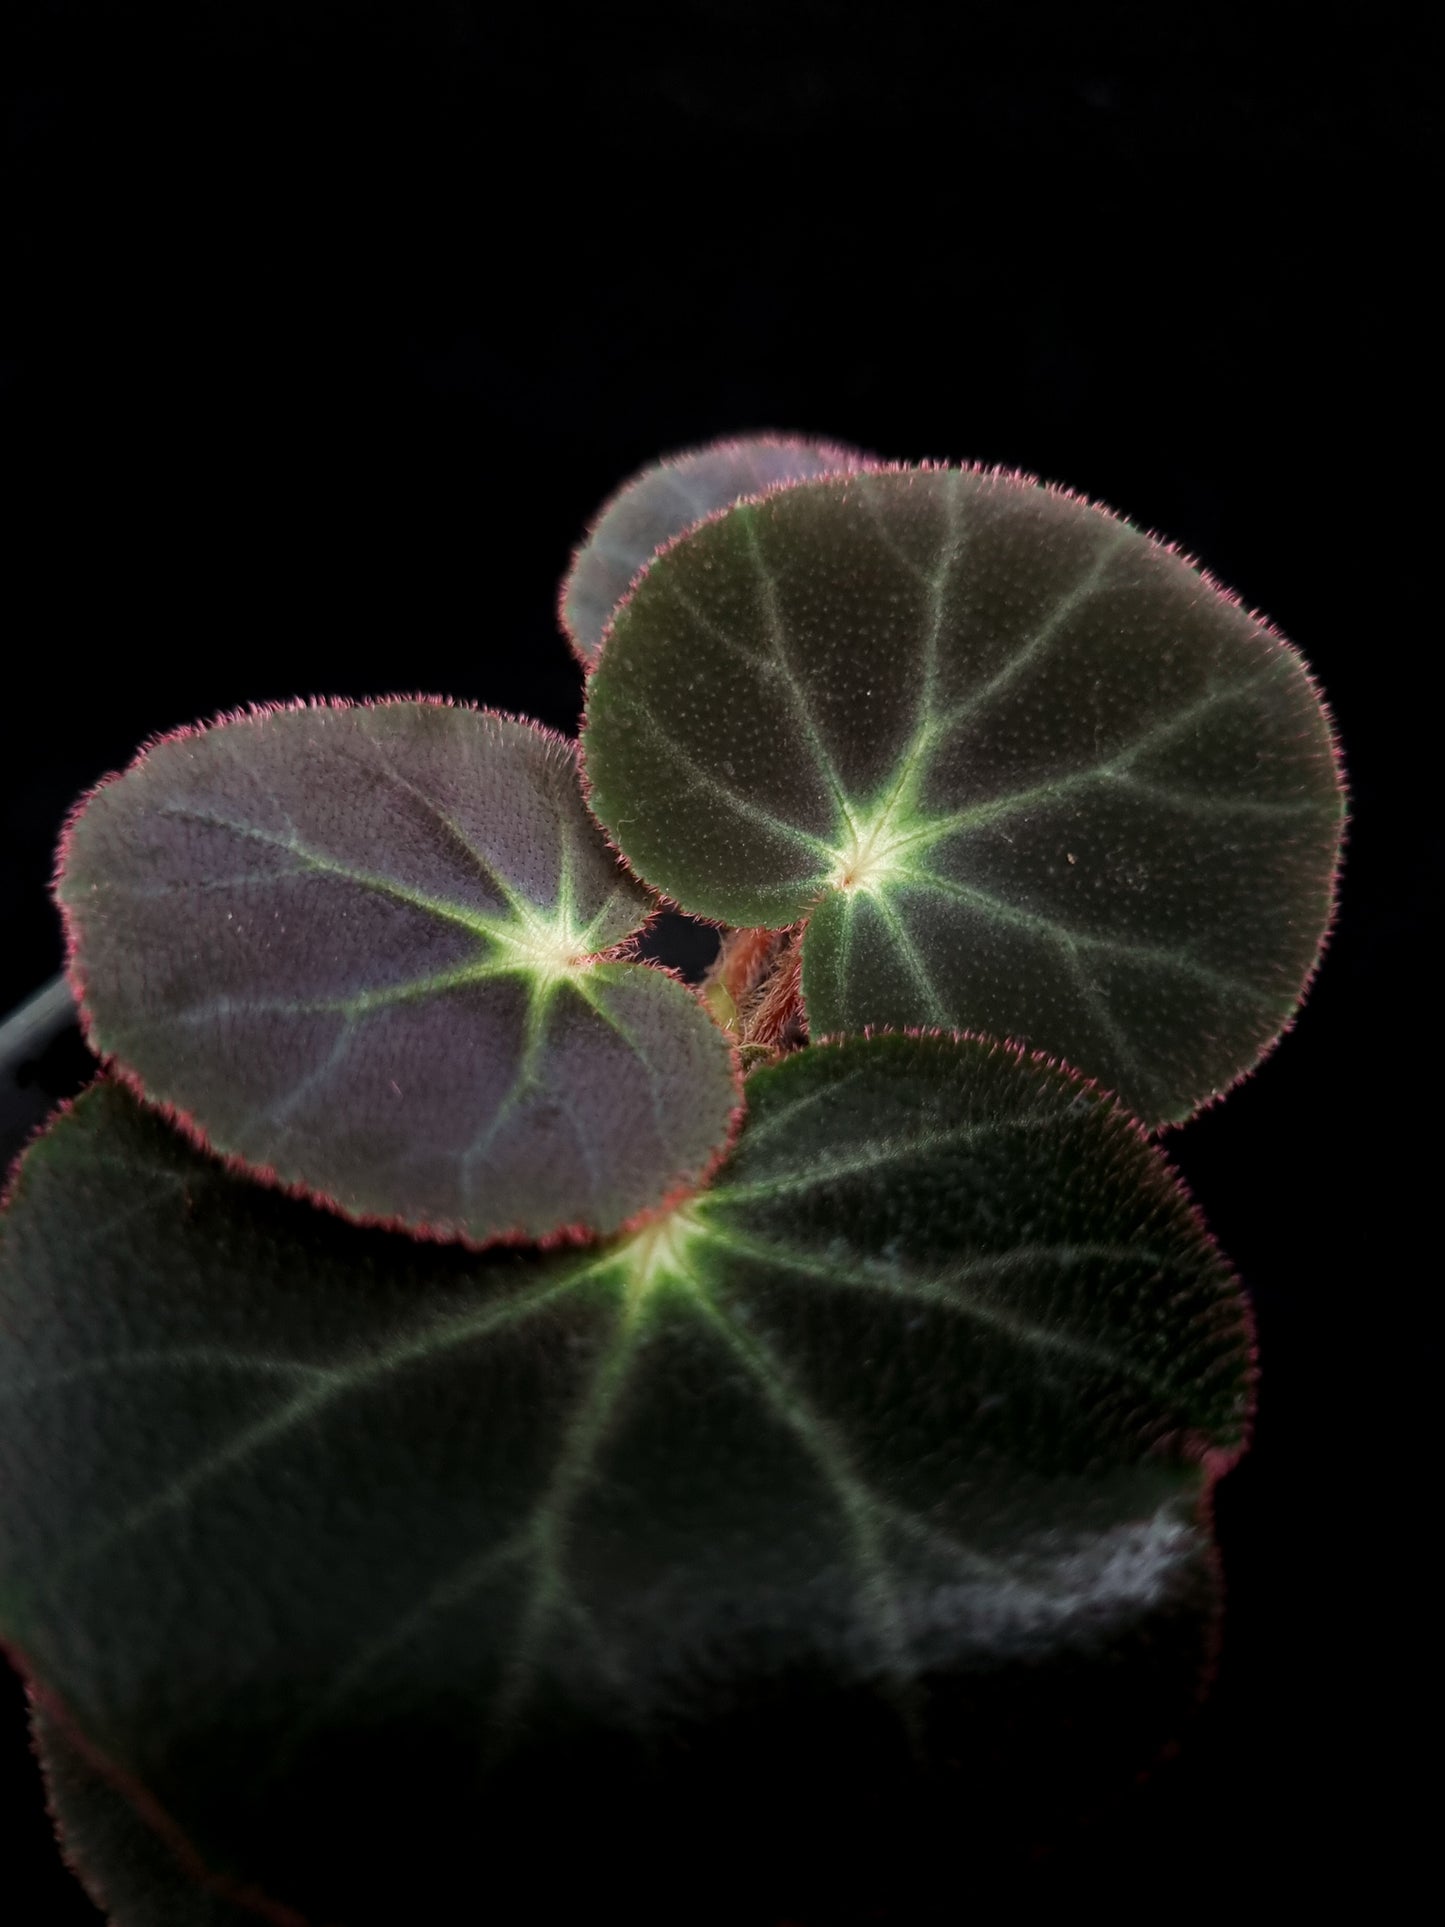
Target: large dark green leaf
(662, 501)
(356, 949)
(1025, 769)
(125, 1866)
(860, 1494)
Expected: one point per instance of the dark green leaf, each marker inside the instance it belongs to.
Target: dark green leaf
(864, 1487)
(354, 948)
(667, 498)
(1025, 769)
(126, 1868)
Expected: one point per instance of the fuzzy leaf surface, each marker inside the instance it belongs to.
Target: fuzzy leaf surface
(869, 1479)
(126, 1867)
(662, 501)
(355, 949)
(1025, 770)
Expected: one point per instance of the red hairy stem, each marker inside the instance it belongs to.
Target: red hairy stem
(754, 989)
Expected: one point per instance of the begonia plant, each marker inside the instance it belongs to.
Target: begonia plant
(484, 1416)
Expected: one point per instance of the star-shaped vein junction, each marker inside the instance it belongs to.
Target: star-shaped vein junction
(547, 945)
(658, 1255)
(884, 845)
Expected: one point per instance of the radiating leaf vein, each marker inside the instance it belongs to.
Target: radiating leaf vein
(1168, 958)
(1114, 538)
(547, 1529)
(784, 1117)
(938, 1289)
(485, 868)
(937, 1009)
(822, 1169)
(474, 920)
(861, 1512)
(161, 1358)
(801, 705)
(697, 780)
(540, 1539)
(341, 1381)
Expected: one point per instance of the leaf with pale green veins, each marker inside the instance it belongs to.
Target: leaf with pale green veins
(1023, 769)
(357, 949)
(666, 498)
(855, 1502)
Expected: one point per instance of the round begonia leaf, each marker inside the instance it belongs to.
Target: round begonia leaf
(1026, 771)
(661, 502)
(356, 949)
(864, 1492)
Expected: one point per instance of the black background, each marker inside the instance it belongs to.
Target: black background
(326, 327)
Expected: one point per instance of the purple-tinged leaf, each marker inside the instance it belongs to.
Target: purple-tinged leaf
(660, 502)
(356, 949)
(862, 1493)
(1025, 770)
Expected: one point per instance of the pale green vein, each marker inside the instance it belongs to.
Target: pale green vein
(159, 1358)
(282, 1108)
(587, 1152)
(127, 1163)
(532, 917)
(697, 779)
(342, 1380)
(78, 1237)
(1115, 1036)
(591, 996)
(1169, 726)
(955, 547)
(1268, 808)
(766, 666)
(361, 1004)
(565, 905)
(590, 937)
(801, 705)
(188, 886)
(872, 1156)
(525, 1080)
(459, 1586)
(844, 954)
(1042, 926)
(937, 1009)
(926, 726)
(1116, 768)
(861, 1512)
(936, 1290)
(1114, 771)
(783, 1117)
(541, 1539)
(1035, 645)
(381, 998)
(987, 1566)
(547, 1530)
(867, 495)
(496, 928)
(486, 868)
(235, 745)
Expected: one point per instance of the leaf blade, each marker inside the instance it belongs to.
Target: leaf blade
(126, 1869)
(1047, 751)
(350, 948)
(889, 1446)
